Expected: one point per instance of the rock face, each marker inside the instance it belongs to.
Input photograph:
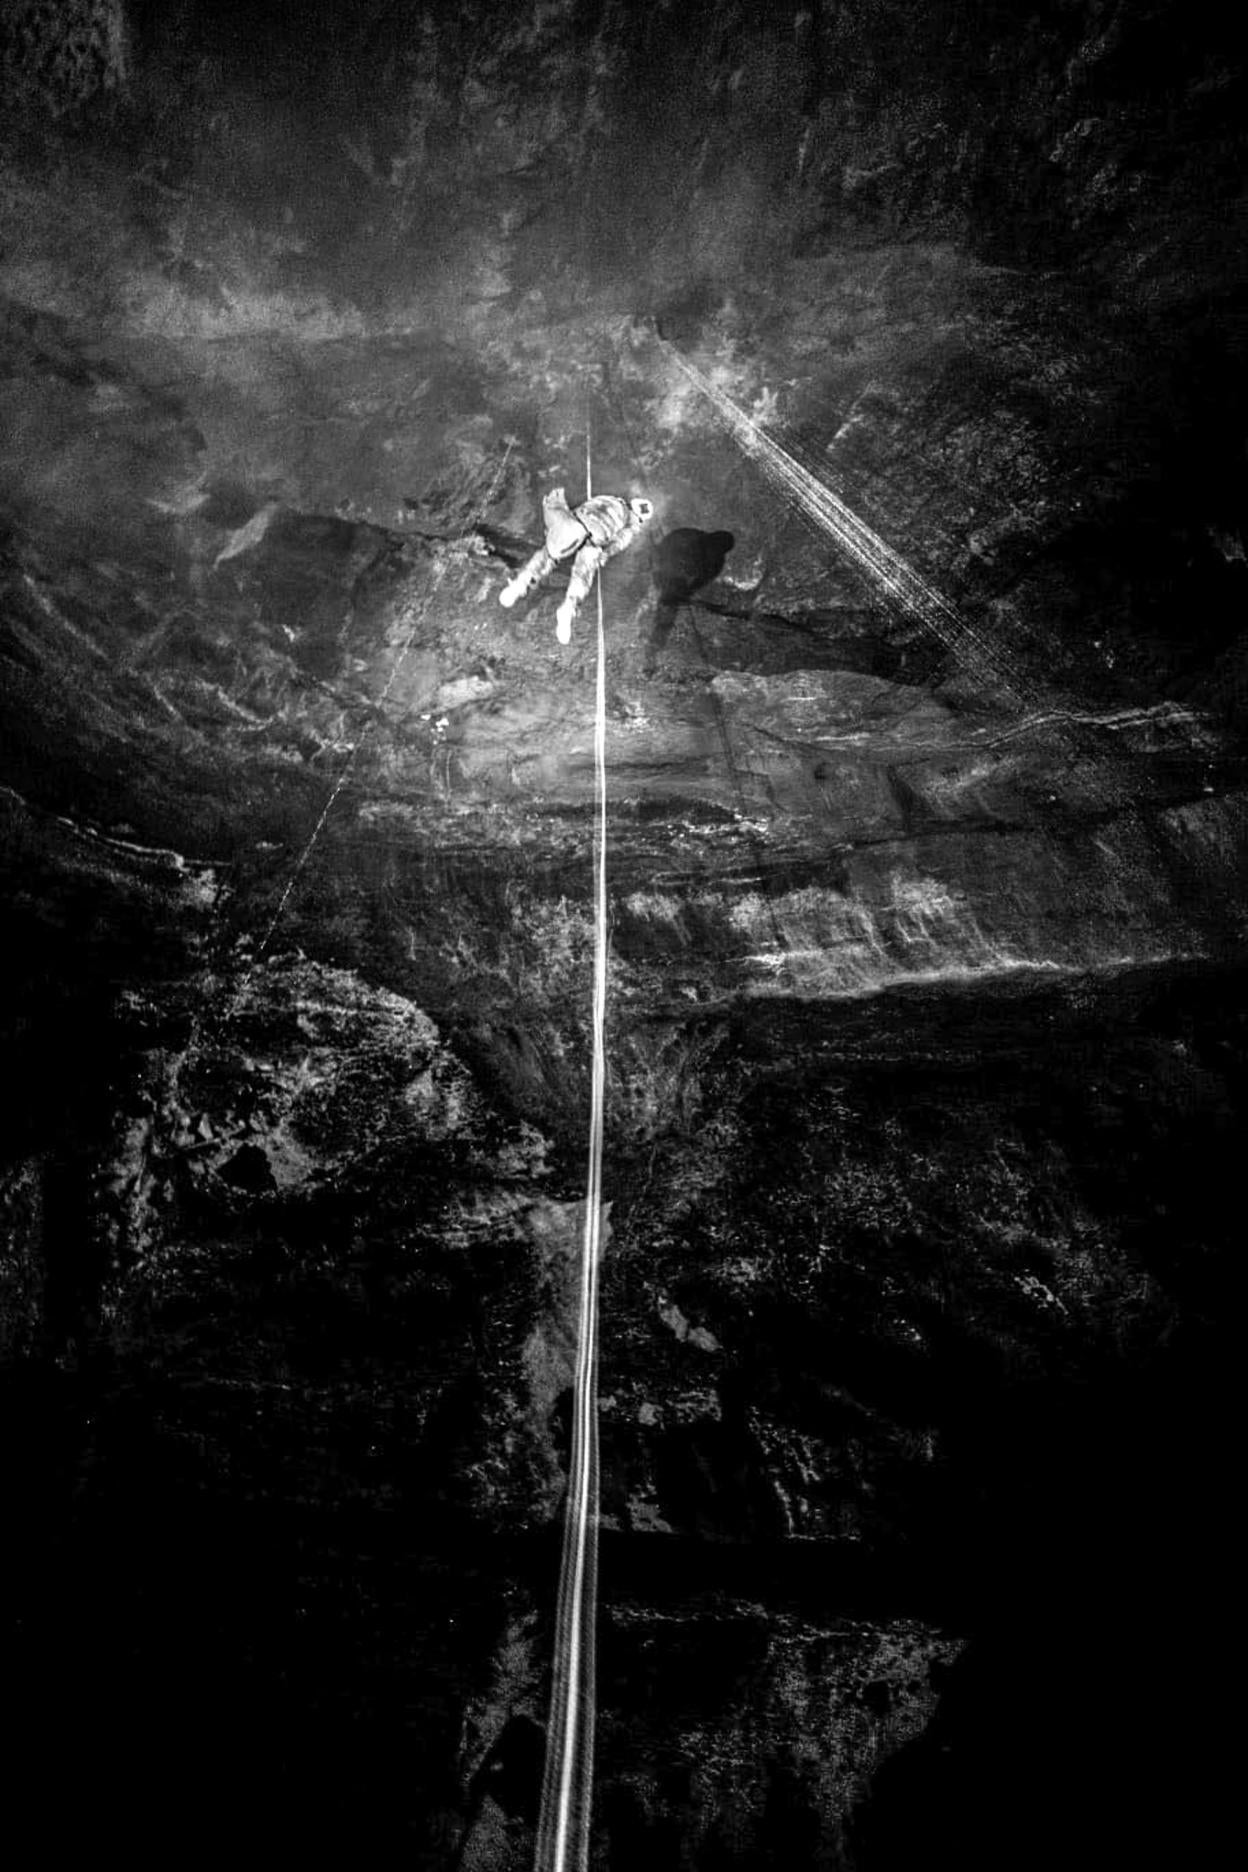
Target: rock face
(927, 830)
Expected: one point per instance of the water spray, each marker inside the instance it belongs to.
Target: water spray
(898, 582)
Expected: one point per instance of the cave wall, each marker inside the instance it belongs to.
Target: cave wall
(926, 1074)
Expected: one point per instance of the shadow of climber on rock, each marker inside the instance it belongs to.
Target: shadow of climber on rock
(685, 560)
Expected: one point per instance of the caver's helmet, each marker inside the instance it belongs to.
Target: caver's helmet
(641, 510)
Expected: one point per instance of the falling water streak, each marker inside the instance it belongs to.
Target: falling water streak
(889, 572)
(1101, 779)
(566, 1811)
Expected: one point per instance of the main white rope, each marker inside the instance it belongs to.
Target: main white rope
(566, 1812)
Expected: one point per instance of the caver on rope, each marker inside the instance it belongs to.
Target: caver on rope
(588, 535)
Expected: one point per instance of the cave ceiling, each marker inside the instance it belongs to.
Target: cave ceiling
(927, 913)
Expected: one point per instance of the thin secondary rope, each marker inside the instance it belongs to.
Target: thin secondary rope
(348, 766)
(201, 1020)
(563, 1827)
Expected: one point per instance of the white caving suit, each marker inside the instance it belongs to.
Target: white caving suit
(589, 535)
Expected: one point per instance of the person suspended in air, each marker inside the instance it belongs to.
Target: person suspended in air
(588, 535)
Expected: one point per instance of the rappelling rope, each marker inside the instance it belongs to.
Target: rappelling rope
(566, 1812)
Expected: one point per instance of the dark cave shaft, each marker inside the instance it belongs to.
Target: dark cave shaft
(925, 1066)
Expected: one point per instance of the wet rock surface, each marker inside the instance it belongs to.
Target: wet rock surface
(926, 1047)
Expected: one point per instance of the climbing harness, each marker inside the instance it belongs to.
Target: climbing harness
(570, 552)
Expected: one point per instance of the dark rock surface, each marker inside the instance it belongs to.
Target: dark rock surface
(927, 1055)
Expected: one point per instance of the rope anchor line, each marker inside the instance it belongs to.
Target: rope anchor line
(566, 1811)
